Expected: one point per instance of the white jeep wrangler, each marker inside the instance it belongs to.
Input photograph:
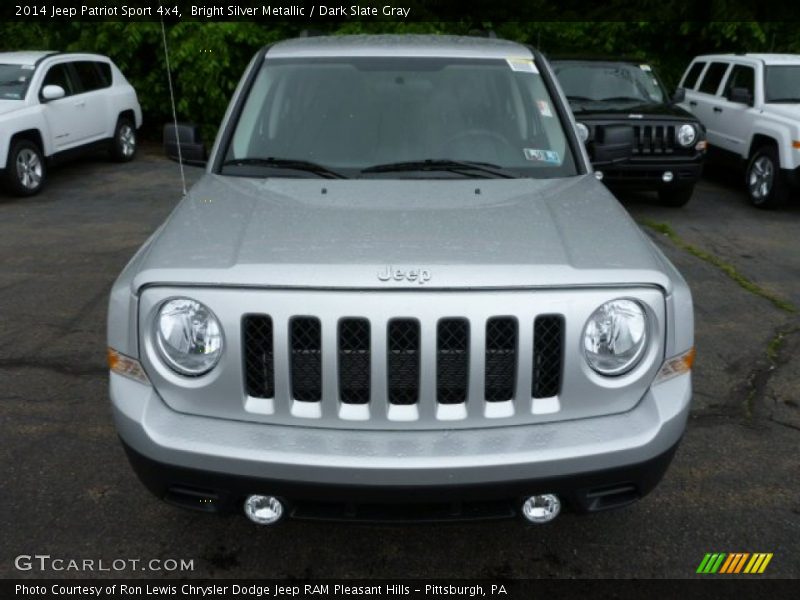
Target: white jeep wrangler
(750, 105)
(54, 104)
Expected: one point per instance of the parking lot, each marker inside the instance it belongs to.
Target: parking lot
(68, 490)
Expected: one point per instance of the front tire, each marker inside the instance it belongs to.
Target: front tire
(676, 197)
(26, 171)
(766, 186)
(124, 142)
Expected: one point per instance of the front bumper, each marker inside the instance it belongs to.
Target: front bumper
(647, 174)
(211, 464)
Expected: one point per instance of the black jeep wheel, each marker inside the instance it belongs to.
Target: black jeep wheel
(766, 185)
(26, 170)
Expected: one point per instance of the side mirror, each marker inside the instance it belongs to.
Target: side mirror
(612, 144)
(679, 96)
(740, 95)
(187, 137)
(52, 92)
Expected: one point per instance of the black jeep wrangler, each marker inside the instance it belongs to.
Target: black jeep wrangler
(669, 142)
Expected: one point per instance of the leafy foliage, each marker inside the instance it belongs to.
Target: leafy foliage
(207, 58)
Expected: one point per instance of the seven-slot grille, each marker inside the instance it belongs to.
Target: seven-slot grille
(402, 361)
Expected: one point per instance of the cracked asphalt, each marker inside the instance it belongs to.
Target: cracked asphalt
(66, 488)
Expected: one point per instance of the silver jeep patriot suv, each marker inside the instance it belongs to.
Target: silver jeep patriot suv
(399, 292)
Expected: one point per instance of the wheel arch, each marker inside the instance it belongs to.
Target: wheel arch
(127, 114)
(760, 140)
(32, 135)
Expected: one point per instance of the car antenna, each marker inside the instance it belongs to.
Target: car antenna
(174, 111)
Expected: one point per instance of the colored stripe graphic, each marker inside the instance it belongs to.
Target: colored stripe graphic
(734, 563)
(711, 563)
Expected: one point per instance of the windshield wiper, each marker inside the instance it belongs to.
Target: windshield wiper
(432, 164)
(286, 163)
(580, 99)
(624, 99)
(787, 100)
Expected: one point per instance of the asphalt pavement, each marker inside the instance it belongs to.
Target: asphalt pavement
(67, 490)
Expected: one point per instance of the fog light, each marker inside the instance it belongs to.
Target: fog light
(541, 509)
(598, 175)
(667, 176)
(264, 510)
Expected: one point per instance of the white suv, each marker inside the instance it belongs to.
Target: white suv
(750, 105)
(53, 104)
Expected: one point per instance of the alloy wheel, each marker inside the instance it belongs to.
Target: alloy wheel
(762, 176)
(29, 169)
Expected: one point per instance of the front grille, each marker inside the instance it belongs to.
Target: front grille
(455, 363)
(306, 344)
(354, 361)
(548, 344)
(501, 358)
(654, 139)
(452, 361)
(403, 363)
(259, 365)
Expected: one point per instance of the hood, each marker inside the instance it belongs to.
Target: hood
(350, 233)
(787, 111)
(669, 112)
(7, 106)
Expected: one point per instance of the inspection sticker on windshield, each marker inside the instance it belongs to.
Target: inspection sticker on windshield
(544, 108)
(27, 67)
(548, 156)
(645, 67)
(522, 64)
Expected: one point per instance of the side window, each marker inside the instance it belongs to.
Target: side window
(105, 73)
(741, 77)
(691, 77)
(59, 75)
(89, 75)
(713, 78)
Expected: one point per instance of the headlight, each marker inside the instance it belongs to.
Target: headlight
(615, 337)
(687, 134)
(188, 336)
(583, 131)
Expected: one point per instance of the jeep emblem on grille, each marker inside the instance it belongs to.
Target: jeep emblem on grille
(390, 273)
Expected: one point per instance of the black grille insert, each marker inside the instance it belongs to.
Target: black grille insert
(259, 362)
(452, 361)
(654, 139)
(501, 358)
(354, 361)
(306, 344)
(403, 361)
(548, 350)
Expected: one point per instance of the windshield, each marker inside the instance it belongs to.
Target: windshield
(609, 83)
(782, 84)
(14, 81)
(399, 117)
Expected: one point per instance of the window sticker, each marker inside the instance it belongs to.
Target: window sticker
(524, 65)
(544, 108)
(547, 156)
(645, 67)
(28, 67)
